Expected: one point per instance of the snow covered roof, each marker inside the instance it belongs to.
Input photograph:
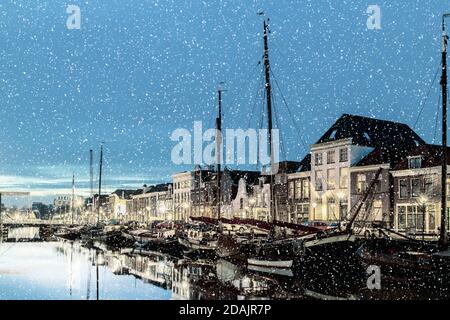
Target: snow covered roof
(430, 154)
(371, 132)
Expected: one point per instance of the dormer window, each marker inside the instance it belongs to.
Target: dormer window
(415, 162)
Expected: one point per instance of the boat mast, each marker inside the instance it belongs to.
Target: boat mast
(73, 197)
(218, 159)
(269, 116)
(91, 177)
(443, 241)
(100, 183)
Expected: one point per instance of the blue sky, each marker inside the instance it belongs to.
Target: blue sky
(137, 70)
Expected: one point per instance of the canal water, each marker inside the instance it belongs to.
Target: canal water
(69, 270)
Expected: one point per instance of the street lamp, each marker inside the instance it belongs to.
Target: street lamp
(341, 196)
(252, 203)
(422, 202)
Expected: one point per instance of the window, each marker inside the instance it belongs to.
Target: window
(403, 185)
(343, 178)
(428, 186)
(305, 191)
(319, 186)
(298, 189)
(331, 179)
(343, 208)
(330, 156)
(431, 211)
(302, 212)
(360, 183)
(291, 189)
(318, 159)
(415, 187)
(343, 155)
(241, 203)
(379, 183)
(415, 162)
(401, 217)
(331, 208)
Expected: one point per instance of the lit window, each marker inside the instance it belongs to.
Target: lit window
(298, 189)
(291, 189)
(343, 178)
(361, 183)
(331, 179)
(305, 192)
(319, 186)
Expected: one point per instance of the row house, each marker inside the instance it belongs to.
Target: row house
(281, 189)
(117, 203)
(417, 190)
(65, 202)
(149, 204)
(204, 192)
(182, 186)
(243, 195)
(299, 192)
(343, 163)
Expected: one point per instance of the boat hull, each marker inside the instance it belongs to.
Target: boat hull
(285, 263)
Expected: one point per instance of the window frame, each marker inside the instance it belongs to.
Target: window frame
(331, 156)
(340, 154)
(318, 158)
(413, 160)
(400, 196)
(413, 194)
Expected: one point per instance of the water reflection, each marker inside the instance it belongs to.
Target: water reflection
(69, 270)
(22, 234)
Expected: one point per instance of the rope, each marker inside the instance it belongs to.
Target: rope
(423, 102)
(437, 114)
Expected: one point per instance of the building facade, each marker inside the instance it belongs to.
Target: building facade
(182, 187)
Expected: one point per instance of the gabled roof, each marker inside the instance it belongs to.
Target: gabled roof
(158, 188)
(251, 177)
(372, 132)
(288, 166)
(431, 155)
(391, 140)
(124, 193)
(305, 164)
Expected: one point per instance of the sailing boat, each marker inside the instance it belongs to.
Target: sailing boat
(410, 259)
(204, 236)
(272, 253)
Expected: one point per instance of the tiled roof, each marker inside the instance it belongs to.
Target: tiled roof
(391, 140)
(124, 193)
(371, 132)
(431, 156)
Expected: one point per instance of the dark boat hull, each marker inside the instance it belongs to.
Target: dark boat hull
(408, 262)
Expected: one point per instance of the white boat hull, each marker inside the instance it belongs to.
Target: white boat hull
(329, 240)
(270, 263)
(287, 272)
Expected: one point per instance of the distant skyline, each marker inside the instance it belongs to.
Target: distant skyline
(137, 70)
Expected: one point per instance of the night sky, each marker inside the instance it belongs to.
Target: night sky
(137, 70)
